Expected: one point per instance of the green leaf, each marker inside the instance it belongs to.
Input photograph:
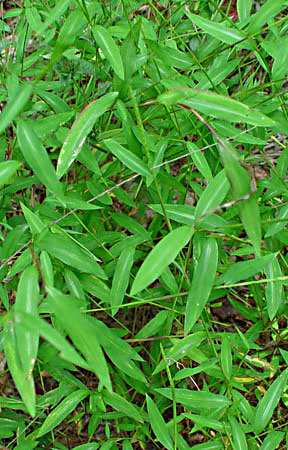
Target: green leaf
(37, 158)
(202, 282)
(158, 424)
(196, 399)
(160, 257)
(72, 27)
(238, 435)
(218, 30)
(46, 268)
(200, 161)
(121, 404)
(226, 358)
(278, 226)
(23, 380)
(63, 410)
(266, 13)
(80, 129)
(269, 402)
(27, 299)
(272, 440)
(67, 251)
(274, 289)
(128, 158)
(213, 195)
(110, 50)
(244, 9)
(241, 186)
(245, 269)
(170, 56)
(35, 223)
(121, 278)
(56, 12)
(7, 170)
(83, 335)
(35, 324)
(153, 326)
(33, 18)
(15, 105)
(215, 105)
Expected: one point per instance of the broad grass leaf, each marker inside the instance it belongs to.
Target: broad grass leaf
(62, 411)
(200, 161)
(238, 435)
(7, 170)
(71, 29)
(226, 357)
(202, 282)
(215, 105)
(27, 299)
(160, 257)
(213, 195)
(121, 404)
(80, 129)
(56, 12)
(170, 56)
(110, 49)
(278, 226)
(181, 348)
(31, 323)
(35, 223)
(218, 30)
(245, 269)
(196, 399)
(244, 406)
(70, 253)
(23, 380)
(158, 424)
(214, 445)
(274, 289)
(15, 105)
(180, 213)
(128, 158)
(244, 9)
(153, 326)
(121, 278)
(33, 18)
(268, 403)
(265, 14)
(38, 159)
(83, 335)
(47, 270)
(241, 185)
(272, 440)
(96, 287)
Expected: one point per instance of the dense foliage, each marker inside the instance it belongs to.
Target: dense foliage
(143, 161)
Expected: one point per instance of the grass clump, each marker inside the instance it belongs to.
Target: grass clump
(143, 225)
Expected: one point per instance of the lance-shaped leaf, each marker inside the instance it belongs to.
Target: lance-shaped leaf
(81, 332)
(213, 195)
(269, 402)
(67, 251)
(23, 380)
(158, 424)
(15, 105)
(121, 278)
(110, 49)
(121, 404)
(80, 129)
(27, 301)
(160, 257)
(37, 158)
(128, 158)
(215, 105)
(274, 289)
(7, 169)
(241, 186)
(203, 279)
(62, 411)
